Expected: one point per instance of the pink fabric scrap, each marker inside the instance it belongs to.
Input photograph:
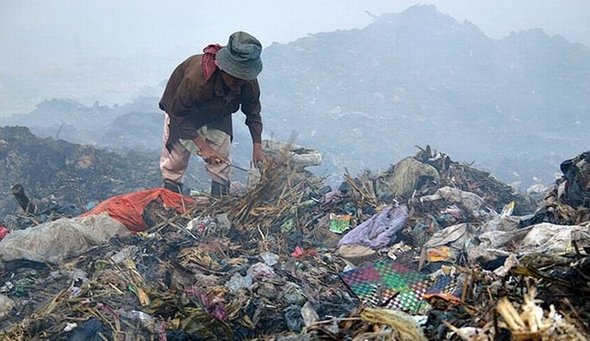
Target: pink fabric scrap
(3, 231)
(301, 253)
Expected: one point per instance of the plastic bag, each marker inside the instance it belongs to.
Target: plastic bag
(376, 232)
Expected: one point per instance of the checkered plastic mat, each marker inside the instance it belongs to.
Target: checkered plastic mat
(393, 285)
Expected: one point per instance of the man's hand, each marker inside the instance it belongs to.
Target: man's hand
(207, 153)
(257, 154)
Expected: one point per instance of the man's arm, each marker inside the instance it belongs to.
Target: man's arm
(251, 108)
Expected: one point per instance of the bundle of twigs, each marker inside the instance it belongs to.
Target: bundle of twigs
(280, 190)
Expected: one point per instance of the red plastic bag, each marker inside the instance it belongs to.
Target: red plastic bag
(128, 208)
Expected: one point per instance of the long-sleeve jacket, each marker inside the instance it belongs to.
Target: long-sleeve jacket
(191, 101)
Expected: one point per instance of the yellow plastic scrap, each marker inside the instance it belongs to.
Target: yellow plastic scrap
(174, 323)
(135, 276)
(247, 322)
(143, 298)
(438, 254)
(507, 209)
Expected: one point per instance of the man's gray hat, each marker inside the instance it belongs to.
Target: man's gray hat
(241, 57)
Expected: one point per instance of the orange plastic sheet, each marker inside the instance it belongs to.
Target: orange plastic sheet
(128, 208)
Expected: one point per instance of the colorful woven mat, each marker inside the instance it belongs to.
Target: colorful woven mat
(393, 285)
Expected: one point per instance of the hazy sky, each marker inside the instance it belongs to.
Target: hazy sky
(57, 31)
(114, 50)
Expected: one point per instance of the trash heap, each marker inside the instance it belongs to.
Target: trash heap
(429, 249)
(64, 177)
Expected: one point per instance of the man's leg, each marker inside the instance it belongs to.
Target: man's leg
(174, 162)
(220, 174)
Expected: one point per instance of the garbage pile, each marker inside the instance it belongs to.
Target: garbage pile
(429, 249)
(65, 177)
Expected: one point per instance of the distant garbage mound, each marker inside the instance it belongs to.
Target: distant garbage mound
(429, 249)
(62, 173)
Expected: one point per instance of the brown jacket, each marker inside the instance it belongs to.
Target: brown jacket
(192, 102)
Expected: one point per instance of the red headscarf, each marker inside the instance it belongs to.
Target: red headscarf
(208, 61)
